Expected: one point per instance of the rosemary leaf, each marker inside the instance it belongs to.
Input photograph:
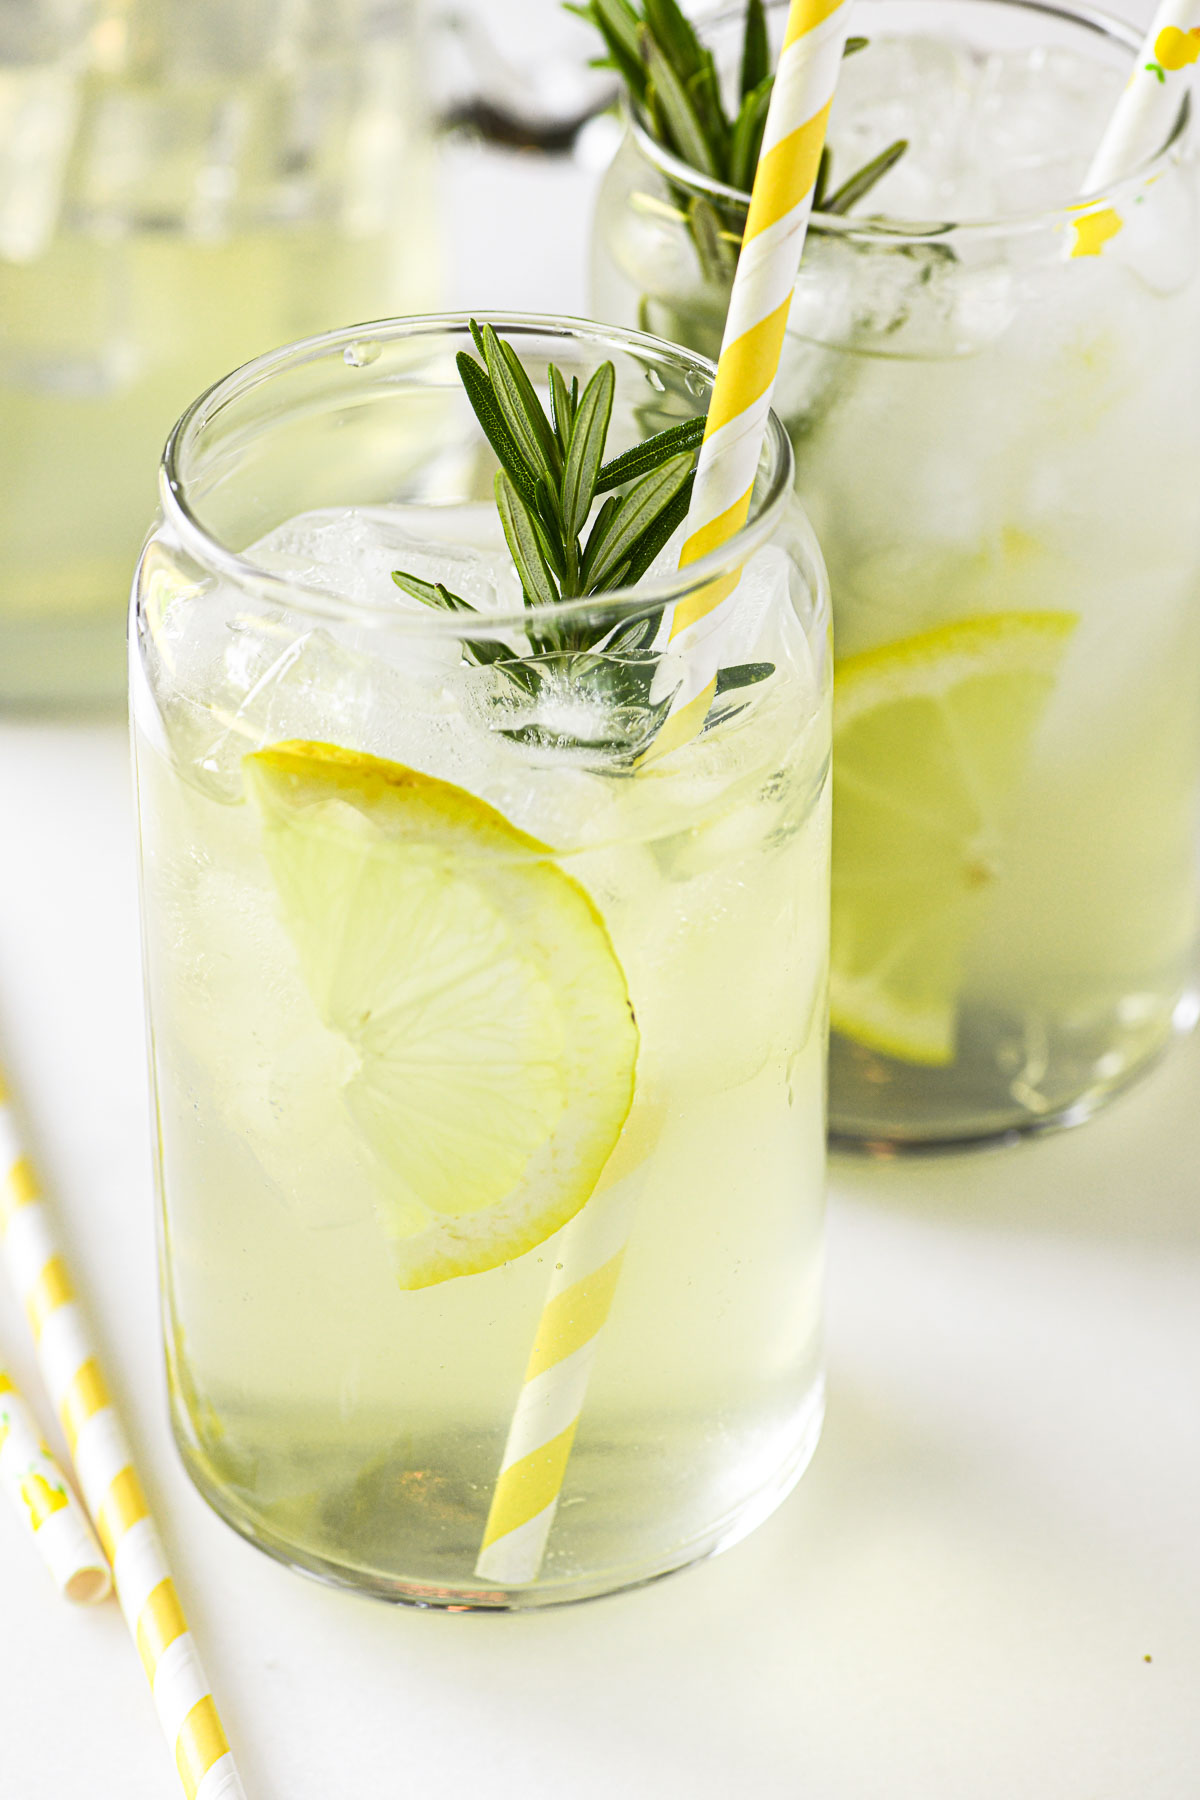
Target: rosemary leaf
(486, 650)
(858, 186)
(437, 594)
(746, 141)
(524, 543)
(617, 23)
(821, 184)
(542, 428)
(518, 415)
(635, 634)
(562, 410)
(637, 512)
(679, 115)
(547, 505)
(718, 256)
(676, 35)
(741, 675)
(601, 523)
(659, 534)
(704, 92)
(482, 396)
(685, 436)
(586, 450)
(431, 593)
(756, 52)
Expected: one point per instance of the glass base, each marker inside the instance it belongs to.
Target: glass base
(554, 1586)
(1010, 1078)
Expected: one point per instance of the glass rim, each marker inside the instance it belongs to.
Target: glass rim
(900, 230)
(617, 603)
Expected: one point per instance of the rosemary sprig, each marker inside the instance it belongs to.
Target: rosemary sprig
(552, 469)
(671, 80)
(564, 545)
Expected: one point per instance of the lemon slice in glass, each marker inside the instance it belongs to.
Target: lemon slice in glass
(476, 984)
(931, 736)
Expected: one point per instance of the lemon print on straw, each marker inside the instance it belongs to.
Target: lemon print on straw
(41, 1499)
(930, 738)
(1174, 50)
(478, 987)
(1095, 229)
(35, 1484)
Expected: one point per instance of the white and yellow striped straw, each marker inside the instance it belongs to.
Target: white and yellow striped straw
(525, 1498)
(1160, 74)
(543, 1428)
(43, 1501)
(780, 207)
(107, 1478)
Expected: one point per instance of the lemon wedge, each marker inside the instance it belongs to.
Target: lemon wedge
(476, 984)
(931, 736)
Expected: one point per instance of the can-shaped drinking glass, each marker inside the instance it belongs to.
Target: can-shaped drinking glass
(488, 1033)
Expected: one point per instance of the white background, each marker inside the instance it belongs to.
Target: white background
(999, 1528)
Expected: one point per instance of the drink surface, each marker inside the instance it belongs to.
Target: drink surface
(180, 189)
(356, 1427)
(996, 441)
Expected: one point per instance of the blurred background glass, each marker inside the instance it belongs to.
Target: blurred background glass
(183, 184)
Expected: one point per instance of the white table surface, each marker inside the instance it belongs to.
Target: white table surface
(986, 1588)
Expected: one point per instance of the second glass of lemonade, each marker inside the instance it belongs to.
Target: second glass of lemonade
(993, 395)
(453, 969)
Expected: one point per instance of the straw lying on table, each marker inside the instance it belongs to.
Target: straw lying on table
(539, 1443)
(1142, 115)
(45, 1504)
(107, 1477)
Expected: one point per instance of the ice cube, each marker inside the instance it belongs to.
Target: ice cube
(989, 133)
(351, 552)
(278, 677)
(916, 88)
(1038, 117)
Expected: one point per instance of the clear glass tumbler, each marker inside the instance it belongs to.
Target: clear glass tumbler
(183, 184)
(419, 907)
(993, 396)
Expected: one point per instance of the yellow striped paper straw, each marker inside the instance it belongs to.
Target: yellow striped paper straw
(780, 207)
(42, 1498)
(107, 1477)
(555, 1386)
(1160, 74)
(525, 1498)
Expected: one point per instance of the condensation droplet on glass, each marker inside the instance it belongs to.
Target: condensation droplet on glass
(359, 355)
(558, 1265)
(656, 380)
(696, 384)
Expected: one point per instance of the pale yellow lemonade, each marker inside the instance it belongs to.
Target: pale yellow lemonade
(180, 188)
(339, 1389)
